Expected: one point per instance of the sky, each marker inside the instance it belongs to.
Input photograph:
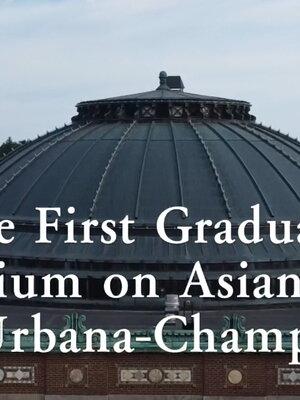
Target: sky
(55, 53)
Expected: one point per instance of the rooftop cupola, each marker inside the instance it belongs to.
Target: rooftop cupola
(168, 101)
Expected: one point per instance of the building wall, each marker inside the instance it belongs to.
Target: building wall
(152, 376)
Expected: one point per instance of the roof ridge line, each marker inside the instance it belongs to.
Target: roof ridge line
(246, 169)
(281, 151)
(51, 144)
(93, 207)
(283, 178)
(48, 166)
(214, 168)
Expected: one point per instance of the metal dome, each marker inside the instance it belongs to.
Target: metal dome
(143, 153)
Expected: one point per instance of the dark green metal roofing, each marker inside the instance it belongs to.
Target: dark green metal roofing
(217, 165)
(217, 169)
(163, 94)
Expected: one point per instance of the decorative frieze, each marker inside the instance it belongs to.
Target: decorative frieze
(148, 111)
(17, 374)
(288, 376)
(235, 376)
(171, 109)
(76, 375)
(164, 375)
(176, 111)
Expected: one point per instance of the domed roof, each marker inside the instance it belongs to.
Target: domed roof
(138, 155)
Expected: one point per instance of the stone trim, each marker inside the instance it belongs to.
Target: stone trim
(139, 397)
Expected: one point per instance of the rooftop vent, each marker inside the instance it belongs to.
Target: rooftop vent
(170, 82)
(175, 82)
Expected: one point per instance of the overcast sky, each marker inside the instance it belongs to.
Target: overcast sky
(55, 53)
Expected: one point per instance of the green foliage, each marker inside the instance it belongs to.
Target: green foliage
(8, 146)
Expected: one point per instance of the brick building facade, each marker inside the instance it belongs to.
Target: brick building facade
(263, 376)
